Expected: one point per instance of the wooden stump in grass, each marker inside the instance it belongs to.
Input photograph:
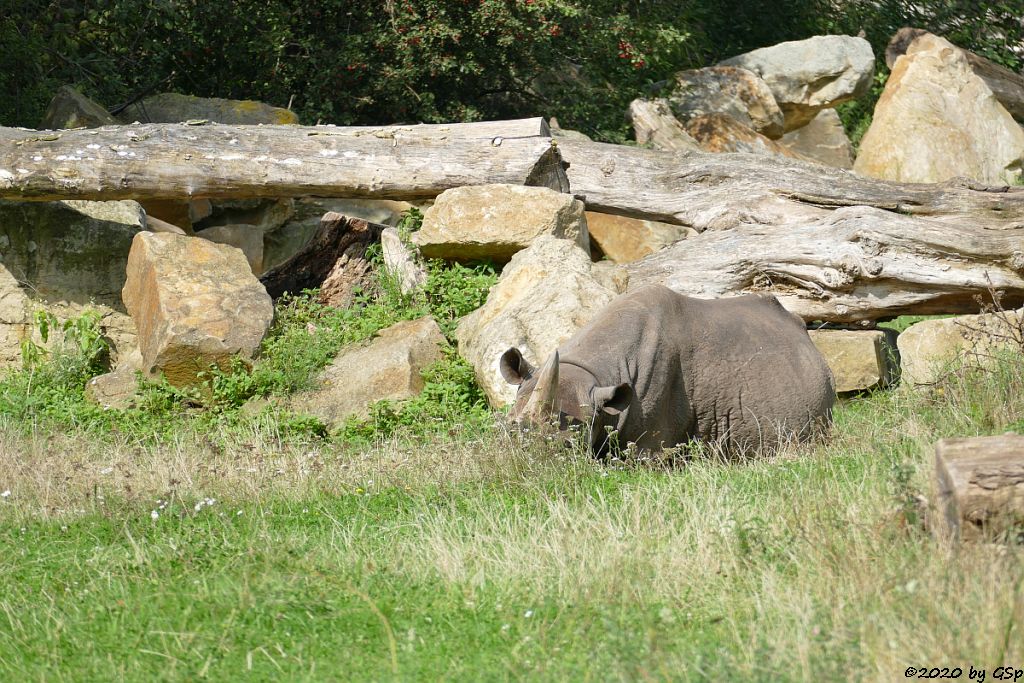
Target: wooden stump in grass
(979, 485)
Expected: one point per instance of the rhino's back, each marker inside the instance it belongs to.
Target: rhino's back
(741, 368)
(756, 376)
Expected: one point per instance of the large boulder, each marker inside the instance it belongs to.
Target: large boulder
(171, 107)
(806, 76)
(730, 90)
(722, 133)
(930, 348)
(495, 221)
(544, 295)
(195, 303)
(389, 366)
(64, 257)
(823, 139)
(71, 109)
(937, 120)
(624, 240)
(654, 124)
(1006, 85)
(859, 359)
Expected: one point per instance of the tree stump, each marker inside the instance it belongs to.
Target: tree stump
(979, 485)
(334, 260)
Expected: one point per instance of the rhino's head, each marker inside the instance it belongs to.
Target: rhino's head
(567, 394)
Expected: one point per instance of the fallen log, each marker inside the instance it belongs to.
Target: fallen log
(707, 191)
(334, 261)
(852, 264)
(209, 160)
(979, 488)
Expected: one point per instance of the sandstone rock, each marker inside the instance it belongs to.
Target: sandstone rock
(806, 76)
(281, 243)
(721, 133)
(266, 214)
(399, 261)
(64, 257)
(823, 139)
(859, 359)
(248, 238)
(71, 109)
(654, 124)
(624, 240)
(611, 276)
(496, 221)
(937, 120)
(929, 348)
(388, 367)
(119, 388)
(173, 108)
(728, 90)
(544, 295)
(195, 304)
(1006, 85)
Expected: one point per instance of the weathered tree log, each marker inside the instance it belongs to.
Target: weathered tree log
(334, 260)
(979, 487)
(848, 265)
(1007, 86)
(216, 161)
(707, 191)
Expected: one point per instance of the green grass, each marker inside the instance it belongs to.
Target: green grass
(502, 557)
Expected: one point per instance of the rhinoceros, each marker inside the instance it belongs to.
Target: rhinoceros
(661, 369)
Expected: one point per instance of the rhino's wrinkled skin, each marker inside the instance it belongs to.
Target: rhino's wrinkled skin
(662, 369)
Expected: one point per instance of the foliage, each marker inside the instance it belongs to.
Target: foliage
(363, 62)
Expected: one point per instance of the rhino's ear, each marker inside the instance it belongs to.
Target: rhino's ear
(514, 367)
(613, 400)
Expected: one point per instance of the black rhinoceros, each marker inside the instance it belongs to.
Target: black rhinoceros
(661, 369)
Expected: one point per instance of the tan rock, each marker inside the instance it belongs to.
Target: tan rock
(654, 124)
(806, 76)
(496, 221)
(118, 388)
(928, 349)
(390, 366)
(544, 295)
(195, 304)
(624, 240)
(64, 257)
(721, 133)
(174, 108)
(401, 262)
(248, 238)
(823, 139)
(729, 90)
(71, 109)
(859, 359)
(937, 120)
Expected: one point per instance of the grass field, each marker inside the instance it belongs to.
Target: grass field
(243, 556)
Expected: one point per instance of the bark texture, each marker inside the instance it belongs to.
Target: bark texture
(209, 160)
(979, 487)
(334, 260)
(848, 265)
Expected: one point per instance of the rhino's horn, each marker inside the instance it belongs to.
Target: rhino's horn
(543, 402)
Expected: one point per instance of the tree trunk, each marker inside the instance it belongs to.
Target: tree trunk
(848, 265)
(707, 191)
(979, 487)
(209, 160)
(334, 260)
